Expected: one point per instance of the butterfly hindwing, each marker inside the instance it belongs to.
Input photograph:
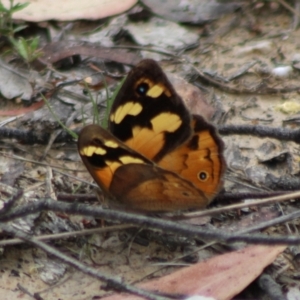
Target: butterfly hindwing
(199, 159)
(129, 179)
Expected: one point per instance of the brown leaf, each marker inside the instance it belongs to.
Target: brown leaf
(221, 277)
(56, 51)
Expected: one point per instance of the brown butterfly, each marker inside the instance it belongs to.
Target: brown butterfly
(155, 156)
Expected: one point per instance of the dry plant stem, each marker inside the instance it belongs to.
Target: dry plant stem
(147, 222)
(49, 187)
(52, 138)
(63, 235)
(114, 284)
(257, 202)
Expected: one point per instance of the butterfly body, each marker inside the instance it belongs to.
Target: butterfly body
(155, 156)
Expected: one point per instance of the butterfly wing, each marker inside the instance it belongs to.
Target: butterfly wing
(147, 114)
(150, 124)
(200, 159)
(130, 179)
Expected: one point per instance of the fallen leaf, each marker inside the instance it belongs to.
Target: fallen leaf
(42, 10)
(221, 277)
(160, 33)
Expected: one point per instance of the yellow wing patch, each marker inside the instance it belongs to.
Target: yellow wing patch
(155, 91)
(90, 150)
(166, 122)
(111, 144)
(130, 160)
(129, 108)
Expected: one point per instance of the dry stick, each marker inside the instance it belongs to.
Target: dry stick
(297, 15)
(25, 291)
(147, 222)
(112, 282)
(48, 237)
(269, 200)
(288, 7)
(282, 134)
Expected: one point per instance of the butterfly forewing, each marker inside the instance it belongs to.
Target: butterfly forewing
(147, 113)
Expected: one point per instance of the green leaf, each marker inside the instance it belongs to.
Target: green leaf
(34, 44)
(22, 48)
(3, 8)
(19, 28)
(18, 6)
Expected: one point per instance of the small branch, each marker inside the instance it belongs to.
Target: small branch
(148, 222)
(279, 133)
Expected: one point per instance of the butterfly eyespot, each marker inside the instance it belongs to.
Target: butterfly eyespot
(203, 176)
(142, 89)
